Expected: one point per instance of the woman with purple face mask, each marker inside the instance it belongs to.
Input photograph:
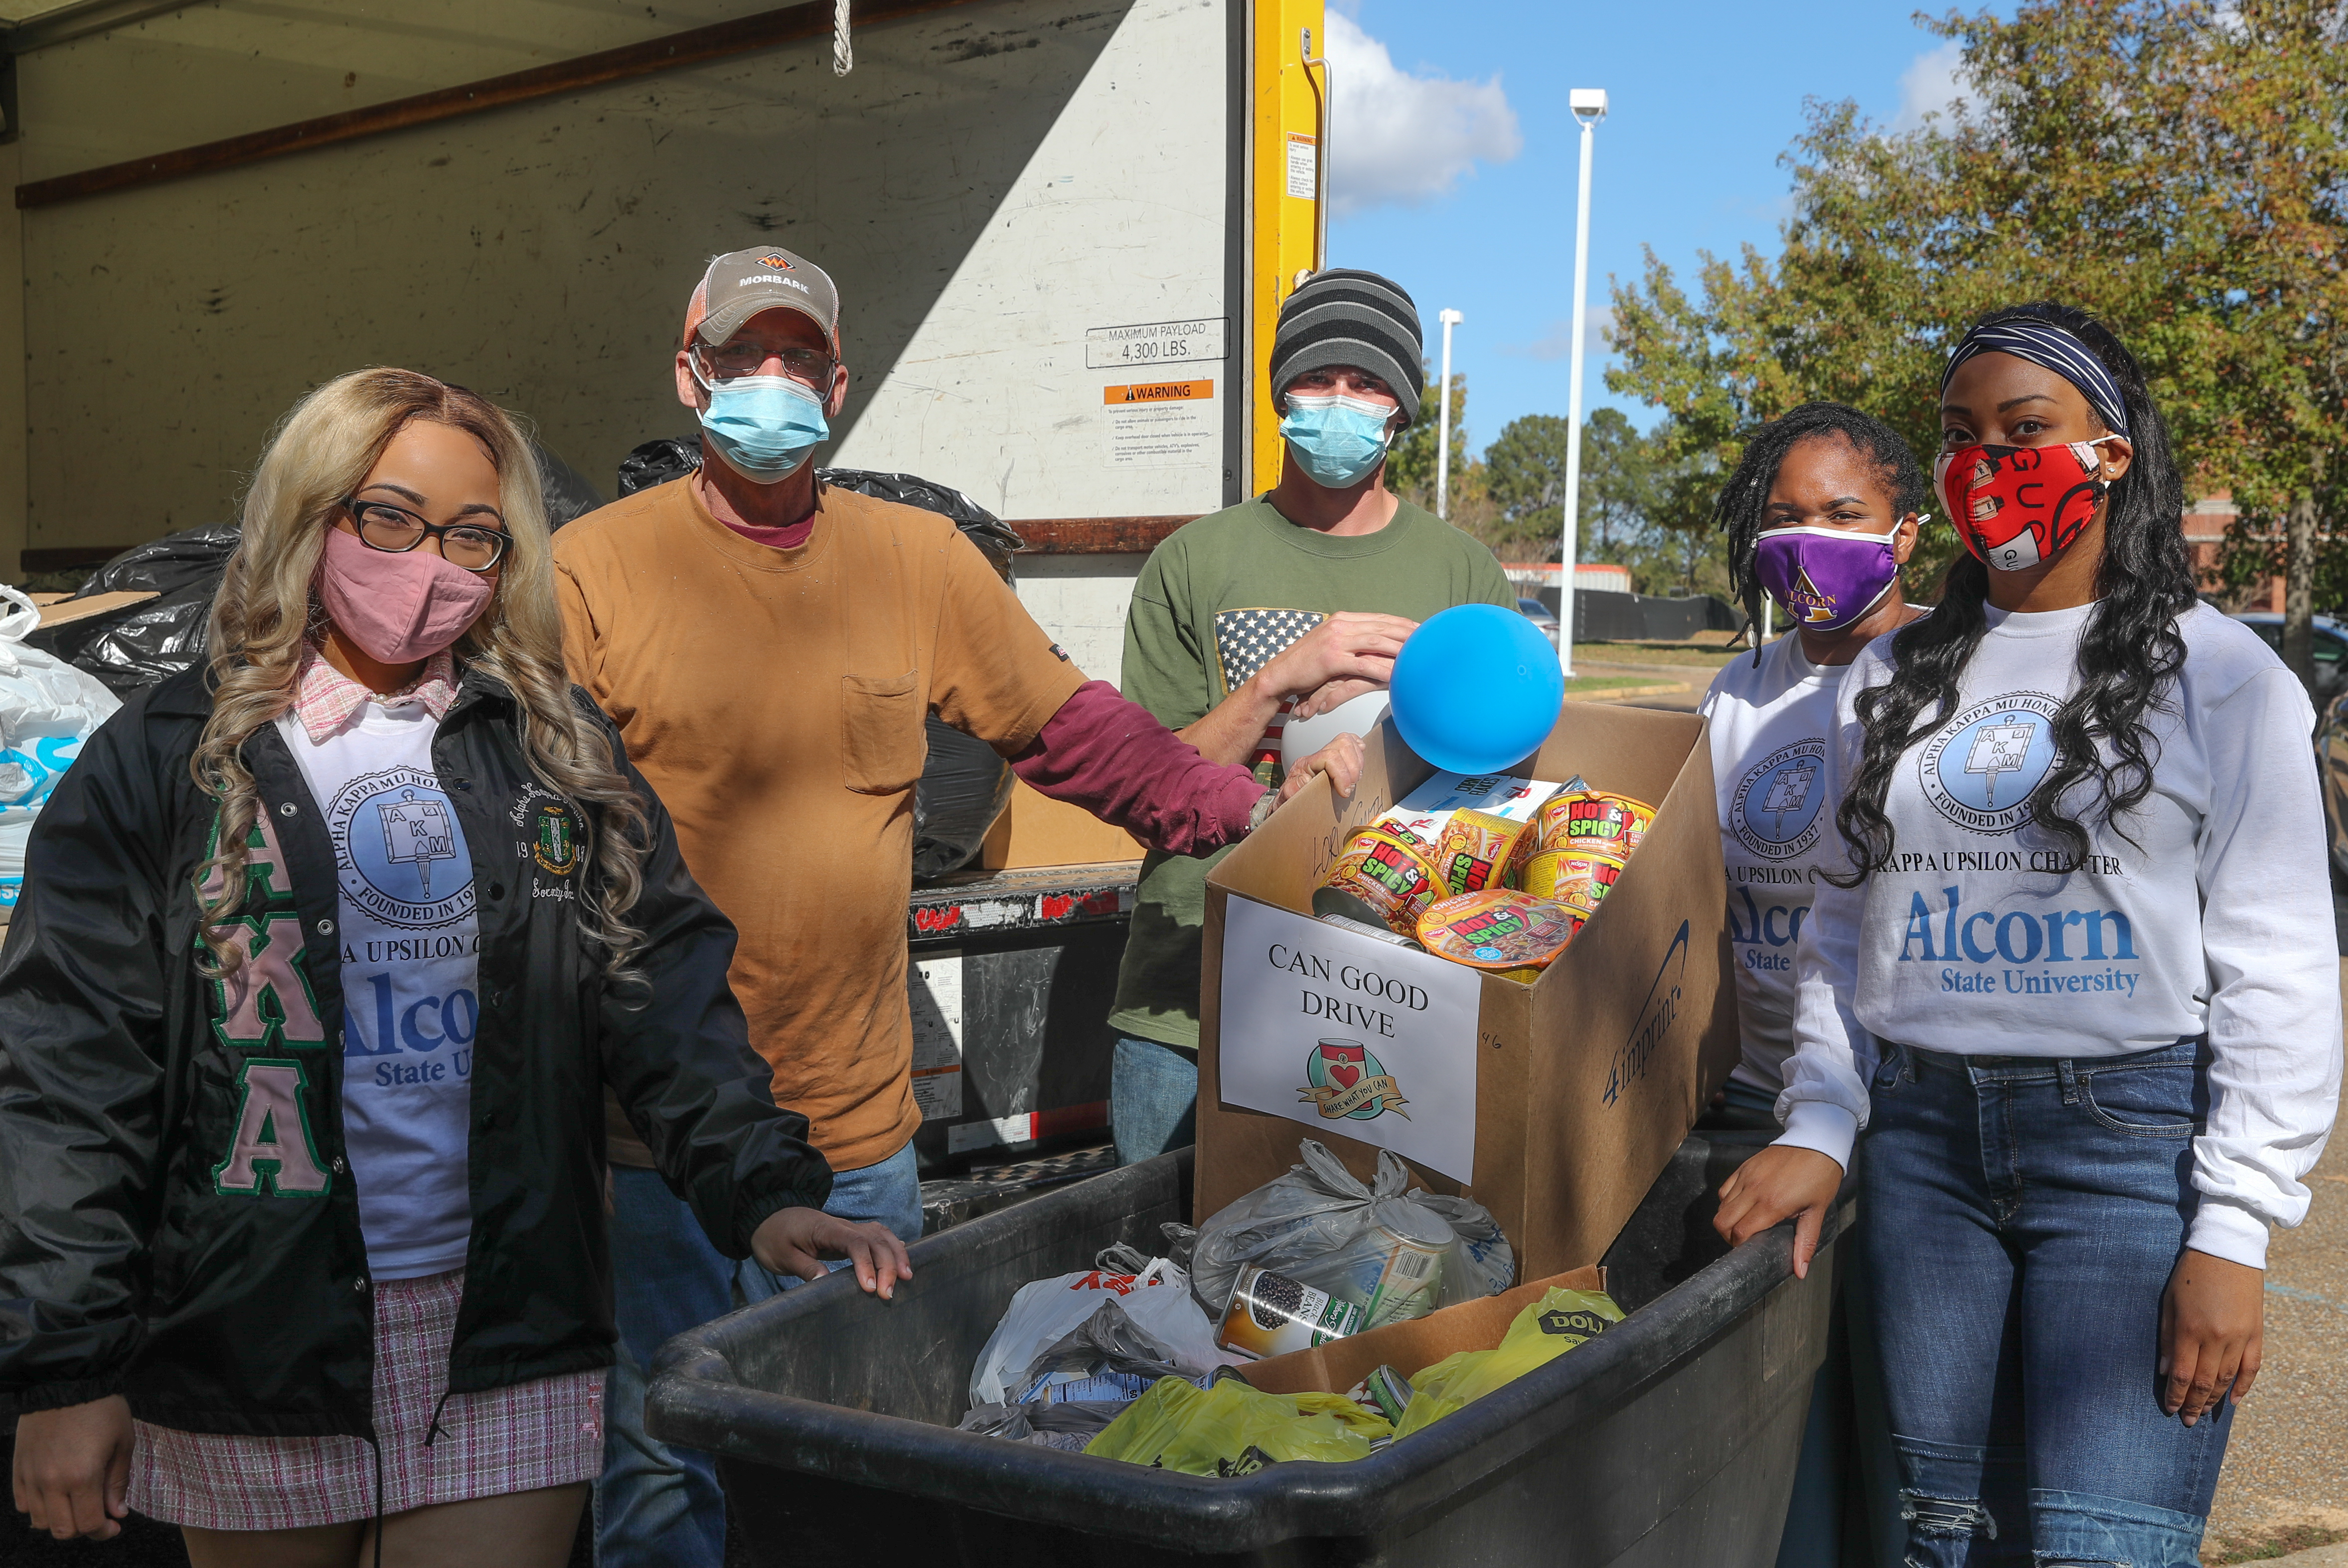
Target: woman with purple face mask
(326, 955)
(1820, 514)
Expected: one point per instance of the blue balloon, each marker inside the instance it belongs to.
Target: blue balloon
(1476, 688)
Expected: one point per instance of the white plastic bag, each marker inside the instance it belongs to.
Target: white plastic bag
(47, 708)
(1158, 1300)
(1320, 1226)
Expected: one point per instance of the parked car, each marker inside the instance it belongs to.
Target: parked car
(1540, 615)
(2330, 692)
(2331, 644)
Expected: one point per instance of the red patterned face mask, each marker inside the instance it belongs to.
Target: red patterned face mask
(2020, 507)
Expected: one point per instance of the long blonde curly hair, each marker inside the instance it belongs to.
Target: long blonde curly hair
(268, 606)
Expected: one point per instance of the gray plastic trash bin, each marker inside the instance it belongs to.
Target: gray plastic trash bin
(1669, 1441)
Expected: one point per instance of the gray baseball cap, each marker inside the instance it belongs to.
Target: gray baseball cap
(741, 284)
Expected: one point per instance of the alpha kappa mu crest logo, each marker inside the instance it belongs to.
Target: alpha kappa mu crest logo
(556, 847)
(1342, 1079)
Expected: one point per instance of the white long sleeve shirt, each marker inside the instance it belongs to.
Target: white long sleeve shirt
(1983, 936)
(1770, 719)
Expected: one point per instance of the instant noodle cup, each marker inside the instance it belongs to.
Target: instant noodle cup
(1475, 851)
(1498, 929)
(1578, 879)
(1594, 820)
(1379, 879)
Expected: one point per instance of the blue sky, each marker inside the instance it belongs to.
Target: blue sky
(1461, 179)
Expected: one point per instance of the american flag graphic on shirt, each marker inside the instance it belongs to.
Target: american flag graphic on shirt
(1246, 641)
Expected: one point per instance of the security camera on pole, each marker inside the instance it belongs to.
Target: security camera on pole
(1450, 318)
(1589, 105)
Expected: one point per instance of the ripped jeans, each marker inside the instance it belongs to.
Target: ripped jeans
(2020, 1218)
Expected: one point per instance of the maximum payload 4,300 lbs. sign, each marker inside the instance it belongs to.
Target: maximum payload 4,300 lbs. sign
(1350, 1034)
(1153, 342)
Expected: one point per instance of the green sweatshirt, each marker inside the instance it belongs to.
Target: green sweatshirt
(1217, 601)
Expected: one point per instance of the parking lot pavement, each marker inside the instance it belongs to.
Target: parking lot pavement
(2286, 1479)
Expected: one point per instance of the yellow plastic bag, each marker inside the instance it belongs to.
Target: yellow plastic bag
(1541, 1333)
(1208, 1431)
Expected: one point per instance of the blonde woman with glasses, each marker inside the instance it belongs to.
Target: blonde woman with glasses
(325, 955)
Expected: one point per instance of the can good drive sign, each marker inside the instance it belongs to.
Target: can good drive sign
(1350, 1034)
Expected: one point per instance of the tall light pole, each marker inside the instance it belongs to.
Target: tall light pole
(1589, 105)
(1450, 318)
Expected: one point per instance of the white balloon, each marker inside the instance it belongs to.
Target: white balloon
(1300, 738)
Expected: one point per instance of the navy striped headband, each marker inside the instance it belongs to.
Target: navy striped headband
(2050, 347)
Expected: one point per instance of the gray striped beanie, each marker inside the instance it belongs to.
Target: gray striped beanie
(1345, 317)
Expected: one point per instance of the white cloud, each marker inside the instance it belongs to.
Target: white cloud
(1402, 139)
(1557, 343)
(1930, 84)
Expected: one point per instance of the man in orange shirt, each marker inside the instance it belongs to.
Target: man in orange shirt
(770, 647)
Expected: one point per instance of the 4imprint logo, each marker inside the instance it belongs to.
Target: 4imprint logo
(1979, 768)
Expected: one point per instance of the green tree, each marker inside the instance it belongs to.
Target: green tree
(2179, 170)
(1410, 463)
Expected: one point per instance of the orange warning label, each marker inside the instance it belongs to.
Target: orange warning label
(1160, 392)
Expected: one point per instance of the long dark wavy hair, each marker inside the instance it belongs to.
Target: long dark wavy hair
(2127, 659)
(1744, 499)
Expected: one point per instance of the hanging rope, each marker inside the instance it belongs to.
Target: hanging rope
(843, 53)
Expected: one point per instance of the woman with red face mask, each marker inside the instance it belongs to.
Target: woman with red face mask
(2078, 985)
(325, 959)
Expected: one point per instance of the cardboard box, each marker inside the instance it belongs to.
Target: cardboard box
(1407, 1347)
(1036, 830)
(1585, 1080)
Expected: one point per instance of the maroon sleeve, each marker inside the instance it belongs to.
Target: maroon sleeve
(1110, 757)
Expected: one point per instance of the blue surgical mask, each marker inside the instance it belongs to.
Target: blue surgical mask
(763, 426)
(1337, 439)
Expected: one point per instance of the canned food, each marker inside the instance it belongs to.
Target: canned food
(1498, 929)
(1392, 1277)
(1595, 820)
(1577, 879)
(1384, 876)
(1475, 851)
(1271, 1314)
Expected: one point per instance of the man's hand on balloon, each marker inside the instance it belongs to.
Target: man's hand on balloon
(1341, 760)
(1347, 646)
(1333, 697)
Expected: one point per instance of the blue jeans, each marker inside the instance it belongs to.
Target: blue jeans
(890, 1192)
(2019, 1218)
(1153, 1099)
(655, 1504)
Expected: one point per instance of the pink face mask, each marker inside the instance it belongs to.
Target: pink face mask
(398, 607)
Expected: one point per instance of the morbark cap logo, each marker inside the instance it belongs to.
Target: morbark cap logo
(776, 260)
(1342, 1079)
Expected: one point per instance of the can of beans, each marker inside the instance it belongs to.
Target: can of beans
(1271, 1314)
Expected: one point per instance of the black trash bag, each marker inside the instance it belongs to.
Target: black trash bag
(153, 640)
(995, 538)
(570, 494)
(658, 462)
(965, 786)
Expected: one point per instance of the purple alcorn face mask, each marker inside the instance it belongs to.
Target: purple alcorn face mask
(1824, 578)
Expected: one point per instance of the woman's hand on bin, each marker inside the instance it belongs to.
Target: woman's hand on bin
(795, 1241)
(1782, 1179)
(73, 1468)
(1341, 760)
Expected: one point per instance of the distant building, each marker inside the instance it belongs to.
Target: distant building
(2206, 522)
(1588, 578)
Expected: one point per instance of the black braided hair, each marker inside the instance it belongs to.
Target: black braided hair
(1745, 497)
(2129, 656)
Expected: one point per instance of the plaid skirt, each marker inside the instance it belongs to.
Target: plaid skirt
(516, 1438)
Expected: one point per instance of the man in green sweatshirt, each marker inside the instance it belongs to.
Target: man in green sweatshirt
(1280, 607)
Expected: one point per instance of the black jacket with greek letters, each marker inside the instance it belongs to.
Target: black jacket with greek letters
(166, 1234)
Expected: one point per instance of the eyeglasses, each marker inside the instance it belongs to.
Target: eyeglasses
(383, 526)
(809, 366)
